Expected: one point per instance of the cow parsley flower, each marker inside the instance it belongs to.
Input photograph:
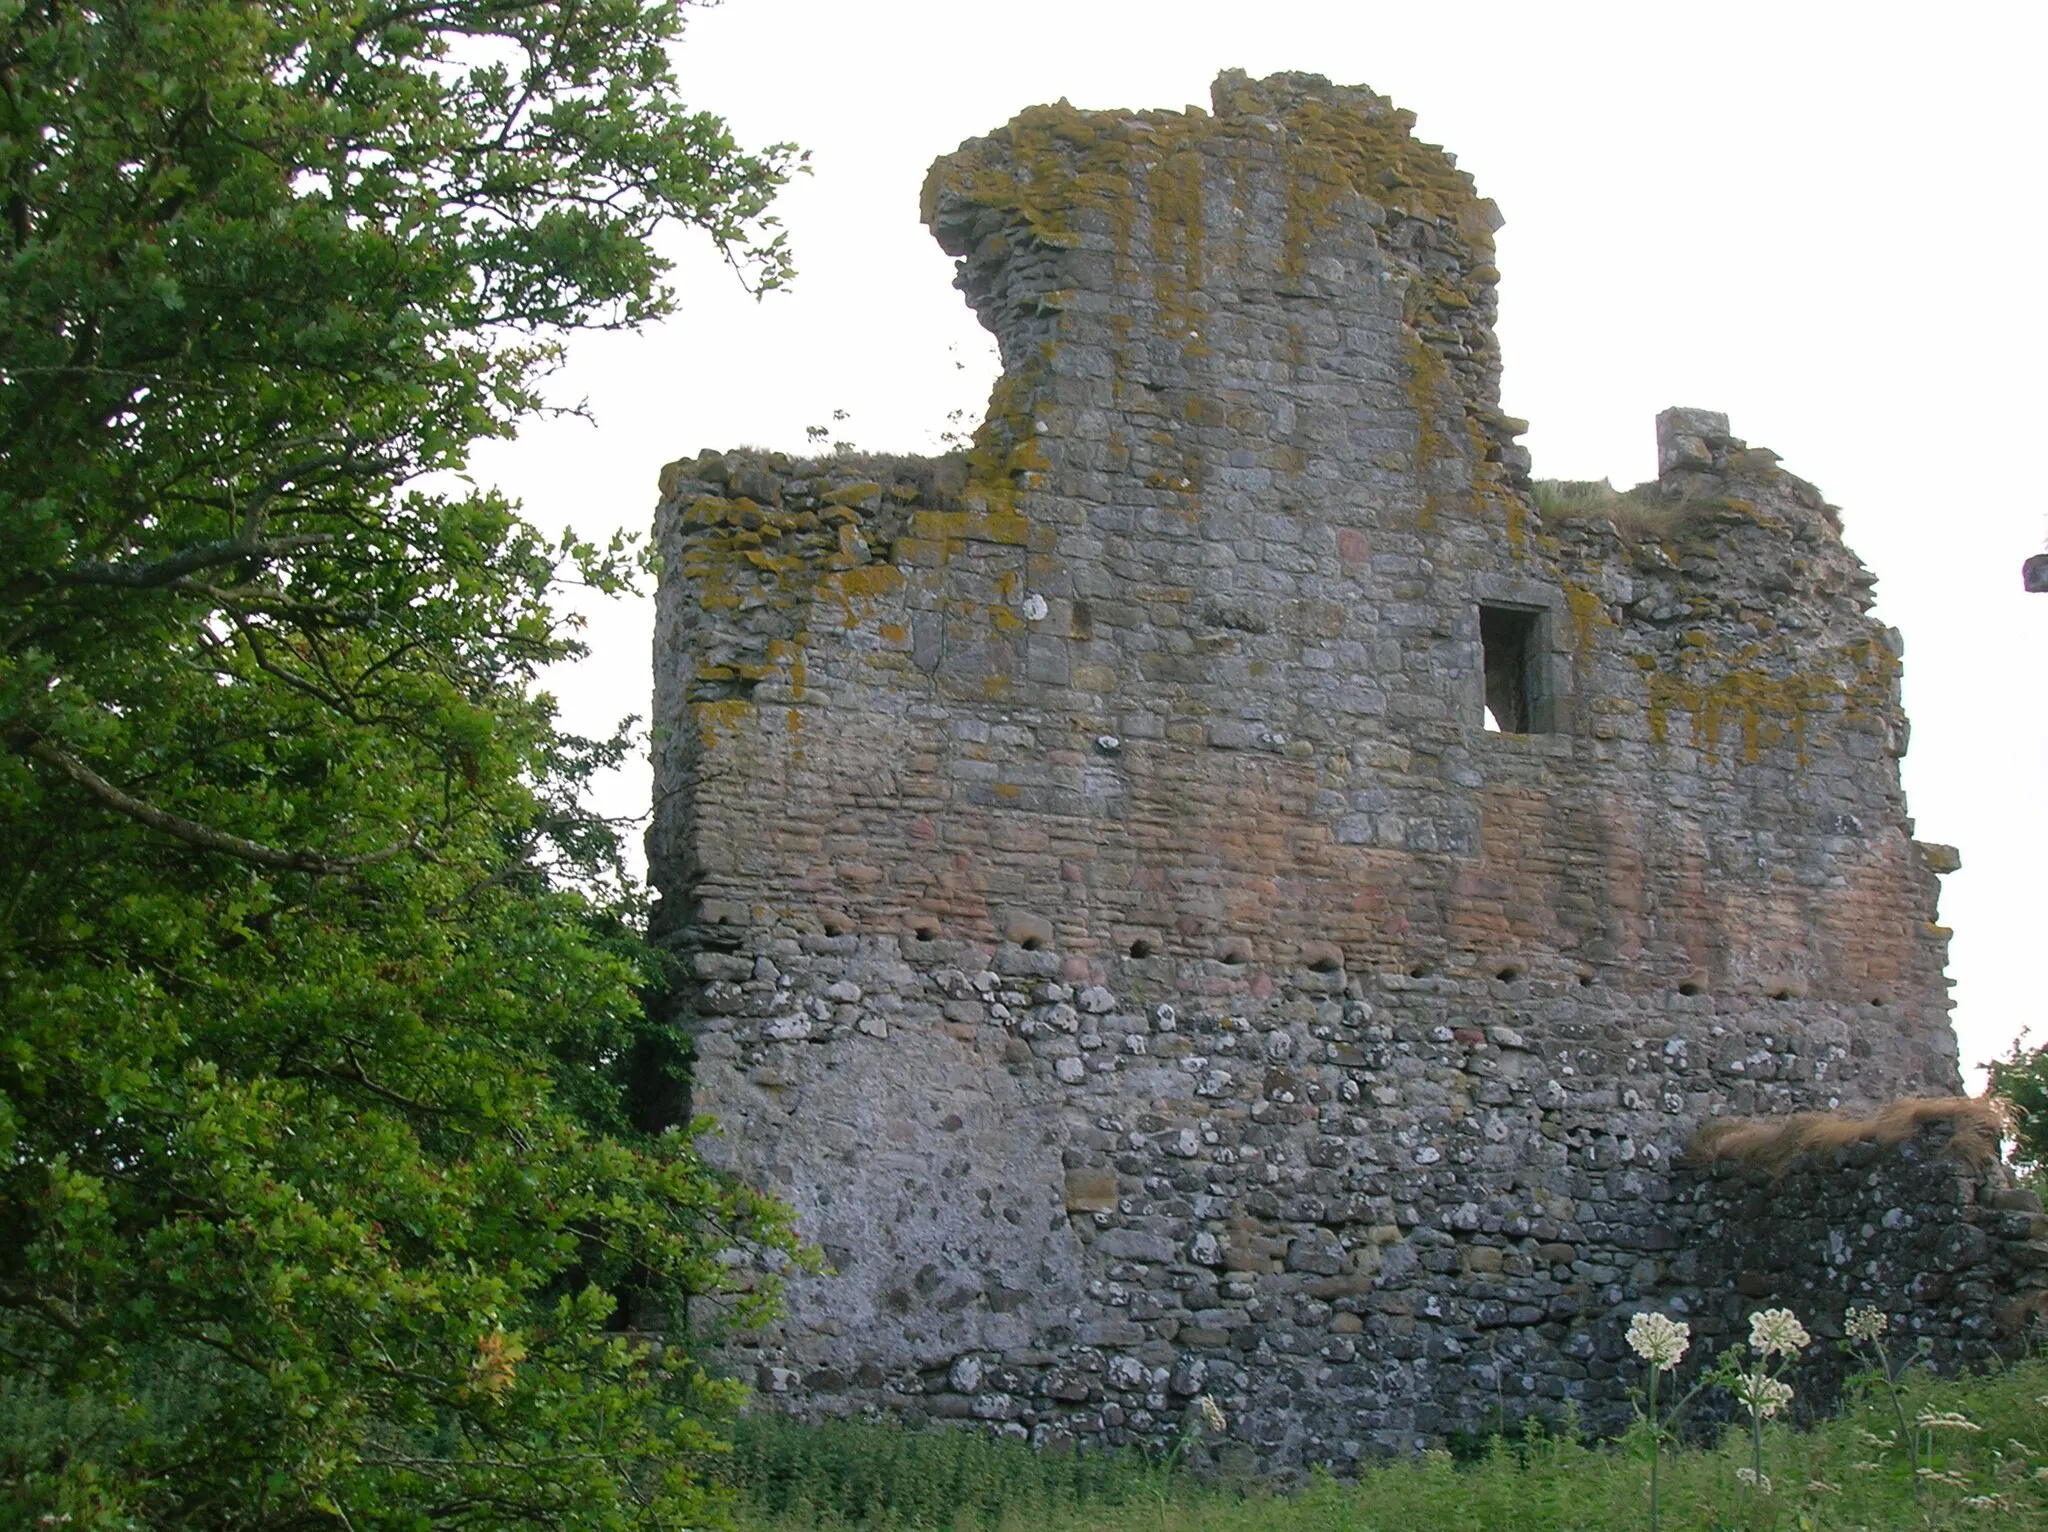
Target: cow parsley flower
(1867, 1324)
(1945, 1420)
(1762, 1394)
(1659, 1340)
(1951, 1476)
(1760, 1482)
(1777, 1332)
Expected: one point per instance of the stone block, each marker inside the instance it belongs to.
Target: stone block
(1091, 1191)
(1135, 1245)
(1686, 438)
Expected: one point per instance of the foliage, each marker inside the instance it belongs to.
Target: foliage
(2020, 1081)
(1845, 1474)
(882, 1475)
(322, 1172)
(1884, 1372)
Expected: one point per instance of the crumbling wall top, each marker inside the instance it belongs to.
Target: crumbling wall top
(1052, 165)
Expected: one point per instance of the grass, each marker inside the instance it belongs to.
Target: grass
(848, 1474)
(1638, 514)
(1849, 1474)
(1772, 1143)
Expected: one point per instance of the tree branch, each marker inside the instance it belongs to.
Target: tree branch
(27, 1297)
(178, 565)
(276, 602)
(205, 837)
(357, 1076)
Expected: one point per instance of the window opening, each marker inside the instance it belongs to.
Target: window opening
(1507, 638)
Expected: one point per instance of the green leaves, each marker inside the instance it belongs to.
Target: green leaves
(2020, 1080)
(319, 1191)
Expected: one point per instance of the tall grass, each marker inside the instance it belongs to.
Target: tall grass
(1850, 1474)
(854, 1474)
(1638, 514)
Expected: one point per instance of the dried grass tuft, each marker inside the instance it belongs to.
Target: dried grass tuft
(1642, 514)
(1772, 1143)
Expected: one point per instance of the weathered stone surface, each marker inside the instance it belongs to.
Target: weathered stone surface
(1091, 1191)
(1113, 925)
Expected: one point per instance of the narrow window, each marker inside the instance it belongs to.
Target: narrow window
(1514, 700)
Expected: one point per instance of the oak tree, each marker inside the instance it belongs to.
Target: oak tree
(319, 1174)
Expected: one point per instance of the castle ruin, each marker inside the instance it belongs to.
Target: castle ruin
(1216, 890)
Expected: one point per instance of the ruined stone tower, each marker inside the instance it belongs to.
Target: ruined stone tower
(1216, 891)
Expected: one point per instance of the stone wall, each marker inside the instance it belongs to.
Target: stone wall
(1110, 919)
(1956, 1258)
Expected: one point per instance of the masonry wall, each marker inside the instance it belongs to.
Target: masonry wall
(1112, 923)
(1953, 1256)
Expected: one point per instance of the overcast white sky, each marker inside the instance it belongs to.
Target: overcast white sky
(1824, 219)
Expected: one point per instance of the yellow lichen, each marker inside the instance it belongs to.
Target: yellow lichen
(1741, 688)
(1005, 447)
(727, 714)
(1588, 612)
(854, 496)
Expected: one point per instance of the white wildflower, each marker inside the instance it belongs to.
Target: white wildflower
(1760, 1482)
(1945, 1420)
(1867, 1324)
(1822, 1487)
(1953, 1476)
(1986, 1502)
(1658, 1340)
(1777, 1331)
(1762, 1394)
(1213, 1416)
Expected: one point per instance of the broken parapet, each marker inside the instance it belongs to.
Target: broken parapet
(1691, 439)
(1108, 915)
